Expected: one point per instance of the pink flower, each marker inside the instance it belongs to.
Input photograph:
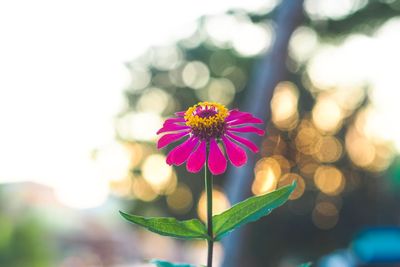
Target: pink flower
(204, 125)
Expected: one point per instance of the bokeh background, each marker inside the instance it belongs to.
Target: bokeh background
(84, 86)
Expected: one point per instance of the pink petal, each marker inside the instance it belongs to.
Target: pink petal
(216, 160)
(179, 154)
(244, 141)
(173, 120)
(180, 113)
(243, 120)
(236, 154)
(197, 159)
(172, 127)
(235, 114)
(169, 138)
(247, 129)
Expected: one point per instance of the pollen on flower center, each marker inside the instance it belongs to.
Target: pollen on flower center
(207, 119)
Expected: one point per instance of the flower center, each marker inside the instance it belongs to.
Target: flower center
(207, 119)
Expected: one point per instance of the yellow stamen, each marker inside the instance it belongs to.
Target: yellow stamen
(195, 121)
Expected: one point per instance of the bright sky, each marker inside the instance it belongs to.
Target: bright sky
(62, 74)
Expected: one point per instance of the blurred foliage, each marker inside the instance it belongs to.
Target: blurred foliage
(24, 240)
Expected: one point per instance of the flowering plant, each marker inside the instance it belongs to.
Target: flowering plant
(204, 126)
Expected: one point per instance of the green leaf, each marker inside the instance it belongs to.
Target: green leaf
(190, 229)
(307, 264)
(250, 210)
(161, 263)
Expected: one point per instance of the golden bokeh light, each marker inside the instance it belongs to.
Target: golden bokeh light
(349, 98)
(274, 144)
(158, 174)
(267, 172)
(325, 215)
(337, 200)
(284, 163)
(306, 164)
(360, 150)
(195, 74)
(307, 139)
(264, 182)
(327, 114)
(384, 154)
(142, 190)
(288, 179)
(181, 200)
(268, 163)
(137, 152)
(284, 106)
(328, 149)
(329, 180)
(121, 188)
(220, 204)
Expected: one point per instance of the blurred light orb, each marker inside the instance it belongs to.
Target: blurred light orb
(349, 98)
(252, 39)
(329, 180)
(153, 100)
(82, 187)
(220, 204)
(219, 90)
(288, 179)
(265, 181)
(114, 161)
(142, 190)
(360, 150)
(329, 149)
(141, 77)
(122, 188)
(342, 66)
(326, 9)
(221, 29)
(306, 164)
(166, 57)
(237, 76)
(327, 115)
(307, 139)
(268, 163)
(267, 172)
(284, 164)
(303, 43)
(220, 61)
(284, 106)
(195, 74)
(325, 215)
(156, 172)
(181, 200)
(140, 126)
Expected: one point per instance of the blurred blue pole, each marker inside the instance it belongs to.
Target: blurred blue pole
(267, 72)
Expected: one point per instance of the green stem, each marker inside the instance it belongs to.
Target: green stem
(209, 188)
